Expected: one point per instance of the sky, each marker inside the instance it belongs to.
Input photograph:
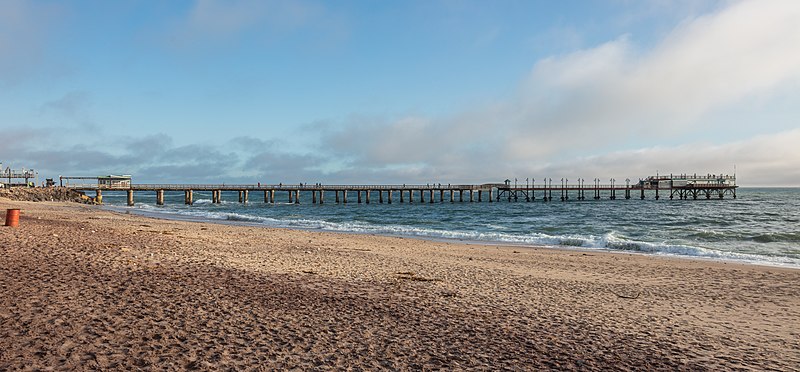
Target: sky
(354, 92)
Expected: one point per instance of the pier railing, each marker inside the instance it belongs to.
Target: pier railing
(281, 187)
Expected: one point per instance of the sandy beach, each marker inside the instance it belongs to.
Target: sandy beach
(84, 288)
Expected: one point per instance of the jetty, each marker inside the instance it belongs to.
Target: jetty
(682, 187)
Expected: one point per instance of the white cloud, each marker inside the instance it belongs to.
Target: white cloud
(766, 160)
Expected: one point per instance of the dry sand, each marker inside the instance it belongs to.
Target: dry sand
(82, 288)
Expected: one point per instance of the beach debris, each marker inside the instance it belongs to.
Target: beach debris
(628, 297)
(408, 275)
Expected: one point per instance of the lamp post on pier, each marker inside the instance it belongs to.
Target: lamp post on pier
(515, 189)
(596, 188)
(527, 190)
(627, 188)
(613, 192)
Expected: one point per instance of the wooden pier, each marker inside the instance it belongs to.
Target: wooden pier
(674, 187)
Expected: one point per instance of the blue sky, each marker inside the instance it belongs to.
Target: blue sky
(384, 91)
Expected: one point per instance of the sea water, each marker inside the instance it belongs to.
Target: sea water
(761, 226)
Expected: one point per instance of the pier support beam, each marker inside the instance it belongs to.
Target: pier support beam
(441, 196)
(490, 195)
(452, 196)
(297, 196)
(460, 196)
(272, 196)
(430, 195)
(471, 196)
(336, 193)
(321, 196)
(313, 196)
(246, 195)
(359, 196)
(380, 196)
(188, 197)
(422, 196)
(410, 196)
(389, 196)
(344, 196)
(367, 198)
(160, 197)
(130, 198)
(291, 196)
(480, 196)
(266, 196)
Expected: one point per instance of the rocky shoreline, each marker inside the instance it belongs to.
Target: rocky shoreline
(41, 194)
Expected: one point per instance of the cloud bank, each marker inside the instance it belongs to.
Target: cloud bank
(593, 99)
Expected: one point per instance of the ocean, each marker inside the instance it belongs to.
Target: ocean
(761, 226)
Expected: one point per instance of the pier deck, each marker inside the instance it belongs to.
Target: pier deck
(704, 187)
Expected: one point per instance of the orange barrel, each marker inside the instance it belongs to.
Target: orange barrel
(12, 217)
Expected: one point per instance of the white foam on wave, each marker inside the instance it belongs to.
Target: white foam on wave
(608, 241)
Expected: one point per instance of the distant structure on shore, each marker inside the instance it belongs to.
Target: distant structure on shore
(675, 186)
(13, 177)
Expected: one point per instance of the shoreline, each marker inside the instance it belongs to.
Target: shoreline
(86, 286)
(189, 218)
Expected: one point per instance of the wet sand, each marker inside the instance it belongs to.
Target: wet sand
(83, 288)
